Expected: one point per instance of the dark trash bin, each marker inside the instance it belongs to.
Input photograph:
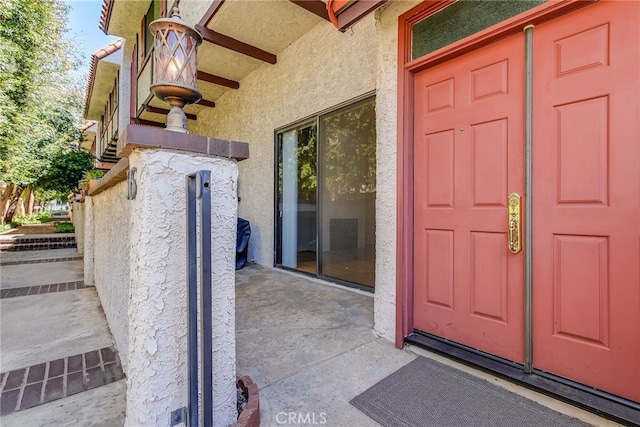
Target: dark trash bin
(242, 242)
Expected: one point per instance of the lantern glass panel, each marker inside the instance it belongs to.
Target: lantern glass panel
(175, 56)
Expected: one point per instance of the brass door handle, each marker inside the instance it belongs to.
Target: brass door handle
(515, 242)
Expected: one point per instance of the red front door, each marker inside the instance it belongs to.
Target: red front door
(586, 178)
(468, 155)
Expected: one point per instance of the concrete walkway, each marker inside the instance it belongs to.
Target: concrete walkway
(57, 361)
(310, 348)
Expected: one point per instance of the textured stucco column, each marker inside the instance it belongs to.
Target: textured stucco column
(77, 218)
(157, 365)
(88, 245)
(387, 136)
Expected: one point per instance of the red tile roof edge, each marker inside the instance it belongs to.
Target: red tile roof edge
(88, 125)
(97, 56)
(104, 15)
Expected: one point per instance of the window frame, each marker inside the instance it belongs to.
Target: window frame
(145, 33)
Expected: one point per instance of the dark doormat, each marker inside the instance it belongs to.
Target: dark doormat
(427, 393)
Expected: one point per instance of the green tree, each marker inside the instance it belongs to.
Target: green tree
(40, 100)
(65, 170)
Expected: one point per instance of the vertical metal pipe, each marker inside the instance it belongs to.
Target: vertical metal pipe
(192, 302)
(203, 183)
(528, 211)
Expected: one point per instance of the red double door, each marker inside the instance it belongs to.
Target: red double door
(469, 156)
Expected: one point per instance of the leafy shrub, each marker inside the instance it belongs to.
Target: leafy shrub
(5, 227)
(35, 218)
(63, 227)
(93, 174)
(88, 176)
(43, 216)
(25, 219)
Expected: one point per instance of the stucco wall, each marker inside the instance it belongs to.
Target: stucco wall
(77, 217)
(124, 107)
(157, 368)
(140, 273)
(111, 216)
(88, 242)
(387, 161)
(320, 70)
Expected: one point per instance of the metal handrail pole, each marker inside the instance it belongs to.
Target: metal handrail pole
(206, 321)
(192, 302)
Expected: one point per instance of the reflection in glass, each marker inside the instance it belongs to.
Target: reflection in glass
(297, 184)
(348, 173)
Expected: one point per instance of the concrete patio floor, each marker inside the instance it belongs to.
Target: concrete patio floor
(310, 347)
(65, 328)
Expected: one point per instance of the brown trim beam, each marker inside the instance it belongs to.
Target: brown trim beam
(235, 45)
(316, 7)
(217, 80)
(213, 9)
(158, 110)
(206, 103)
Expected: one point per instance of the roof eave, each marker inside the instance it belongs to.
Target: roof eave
(95, 58)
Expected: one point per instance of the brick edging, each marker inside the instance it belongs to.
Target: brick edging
(38, 261)
(62, 237)
(35, 385)
(250, 416)
(19, 247)
(41, 289)
(28, 243)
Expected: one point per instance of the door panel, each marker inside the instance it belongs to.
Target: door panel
(468, 155)
(586, 195)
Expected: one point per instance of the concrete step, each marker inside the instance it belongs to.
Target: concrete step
(30, 243)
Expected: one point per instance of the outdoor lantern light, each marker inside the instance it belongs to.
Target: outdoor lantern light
(175, 66)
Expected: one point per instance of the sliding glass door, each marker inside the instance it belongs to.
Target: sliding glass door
(326, 173)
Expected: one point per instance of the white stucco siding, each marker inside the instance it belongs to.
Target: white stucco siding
(387, 162)
(77, 217)
(88, 242)
(157, 382)
(124, 106)
(318, 71)
(111, 268)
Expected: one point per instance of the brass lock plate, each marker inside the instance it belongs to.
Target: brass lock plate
(515, 240)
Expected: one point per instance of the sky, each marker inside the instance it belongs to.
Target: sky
(83, 25)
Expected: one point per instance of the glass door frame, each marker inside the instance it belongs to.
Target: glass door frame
(278, 227)
(277, 247)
